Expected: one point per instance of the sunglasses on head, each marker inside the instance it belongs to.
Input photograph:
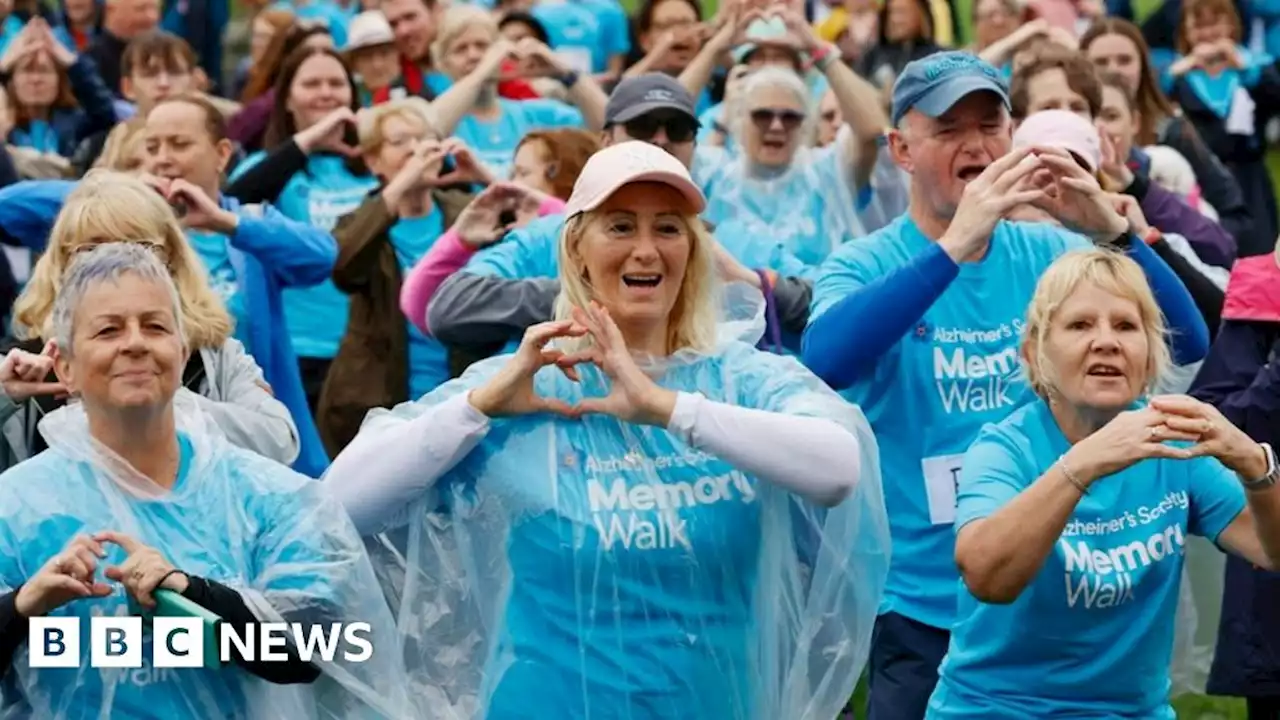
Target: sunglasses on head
(765, 117)
(679, 129)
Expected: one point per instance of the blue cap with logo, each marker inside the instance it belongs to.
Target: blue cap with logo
(935, 83)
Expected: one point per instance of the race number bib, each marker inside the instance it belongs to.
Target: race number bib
(941, 477)
(577, 58)
(1240, 121)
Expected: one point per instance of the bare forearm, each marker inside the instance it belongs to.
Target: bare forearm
(1001, 554)
(590, 99)
(859, 102)
(698, 72)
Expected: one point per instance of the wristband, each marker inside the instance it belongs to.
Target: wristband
(822, 57)
(174, 571)
(568, 79)
(1070, 476)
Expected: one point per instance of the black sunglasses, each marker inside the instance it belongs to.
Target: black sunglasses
(679, 128)
(765, 117)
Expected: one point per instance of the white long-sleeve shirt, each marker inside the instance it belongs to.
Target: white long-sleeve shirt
(380, 474)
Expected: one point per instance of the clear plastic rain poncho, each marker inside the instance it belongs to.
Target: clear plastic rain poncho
(810, 207)
(235, 518)
(594, 569)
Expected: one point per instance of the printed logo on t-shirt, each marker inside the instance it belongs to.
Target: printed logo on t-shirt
(975, 369)
(326, 207)
(1101, 571)
(647, 515)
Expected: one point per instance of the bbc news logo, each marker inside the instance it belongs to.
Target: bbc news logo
(179, 642)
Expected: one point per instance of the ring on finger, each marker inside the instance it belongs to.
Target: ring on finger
(1153, 432)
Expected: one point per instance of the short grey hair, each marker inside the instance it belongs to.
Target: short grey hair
(775, 77)
(107, 262)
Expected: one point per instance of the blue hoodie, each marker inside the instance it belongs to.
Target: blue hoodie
(269, 251)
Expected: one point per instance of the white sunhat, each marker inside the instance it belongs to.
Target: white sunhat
(368, 29)
(625, 163)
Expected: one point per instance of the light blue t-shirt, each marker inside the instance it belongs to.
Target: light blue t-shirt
(38, 135)
(574, 33)
(931, 393)
(1092, 634)
(213, 252)
(494, 143)
(615, 29)
(319, 195)
(327, 13)
(9, 30)
(428, 359)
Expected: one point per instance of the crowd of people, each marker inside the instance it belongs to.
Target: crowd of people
(671, 364)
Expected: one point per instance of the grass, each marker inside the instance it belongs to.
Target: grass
(1187, 707)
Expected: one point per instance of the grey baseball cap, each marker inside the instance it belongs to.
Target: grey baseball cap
(635, 96)
(935, 83)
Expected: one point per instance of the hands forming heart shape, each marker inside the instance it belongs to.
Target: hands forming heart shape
(633, 396)
(335, 133)
(195, 209)
(502, 207)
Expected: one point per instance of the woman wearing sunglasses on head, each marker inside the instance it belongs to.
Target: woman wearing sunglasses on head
(618, 501)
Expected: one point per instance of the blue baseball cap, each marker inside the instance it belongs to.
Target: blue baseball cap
(935, 83)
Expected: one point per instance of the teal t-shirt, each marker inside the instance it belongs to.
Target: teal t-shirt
(494, 142)
(319, 195)
(931, 393)
(1092, 634)
(214, 253)
(428, 359)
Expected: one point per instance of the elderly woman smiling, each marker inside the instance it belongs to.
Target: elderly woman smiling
(1073, 513)
(618, 501)
(137, 494)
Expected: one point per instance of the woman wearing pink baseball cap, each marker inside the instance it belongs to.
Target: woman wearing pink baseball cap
(637, 513)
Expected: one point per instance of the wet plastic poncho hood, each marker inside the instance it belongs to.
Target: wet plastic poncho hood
(233, 517)
(595, 569)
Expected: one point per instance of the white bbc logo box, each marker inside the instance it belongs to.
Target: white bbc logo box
(116, 642)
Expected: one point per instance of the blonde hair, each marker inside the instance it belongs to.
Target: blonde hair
(1110, 272)
(371, 121)
(114, 207)
(122, 148)
(692, 323)
(457, 20)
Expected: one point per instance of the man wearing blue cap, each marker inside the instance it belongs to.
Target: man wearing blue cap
(919, 324)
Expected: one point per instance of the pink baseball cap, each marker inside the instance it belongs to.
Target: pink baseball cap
(1062, 129)
(630, 162)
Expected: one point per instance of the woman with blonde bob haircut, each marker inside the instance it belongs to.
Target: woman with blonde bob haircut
(111, 207)
(615, 509)
(1096, 483)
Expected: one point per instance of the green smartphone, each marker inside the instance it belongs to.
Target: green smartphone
(172, 604)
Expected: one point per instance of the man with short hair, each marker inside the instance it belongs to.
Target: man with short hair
(155, 65)
(919, 324)
(1063, 80)
(414, 23)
